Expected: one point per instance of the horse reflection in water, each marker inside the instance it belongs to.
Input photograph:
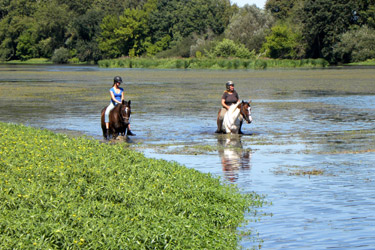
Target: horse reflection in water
(234, 158)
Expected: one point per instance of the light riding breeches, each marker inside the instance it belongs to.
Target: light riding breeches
(106, 115)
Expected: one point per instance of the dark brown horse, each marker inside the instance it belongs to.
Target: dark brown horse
(118, 120)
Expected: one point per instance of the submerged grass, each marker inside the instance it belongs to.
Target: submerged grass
(298, 171)
(64, 193)
(209, 63)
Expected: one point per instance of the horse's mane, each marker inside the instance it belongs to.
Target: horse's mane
(232, 108)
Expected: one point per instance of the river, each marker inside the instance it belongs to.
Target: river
(310, 149)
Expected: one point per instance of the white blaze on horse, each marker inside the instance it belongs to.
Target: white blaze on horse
(231, 122)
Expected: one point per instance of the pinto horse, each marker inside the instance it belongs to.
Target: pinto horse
(231, 122)
(118, 120)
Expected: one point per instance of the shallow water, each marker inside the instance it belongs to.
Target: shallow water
(310, 149)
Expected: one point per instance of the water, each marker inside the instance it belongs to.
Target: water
(310, 148)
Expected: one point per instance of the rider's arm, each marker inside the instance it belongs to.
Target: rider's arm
(113, 97)
(122, 96)
(223, 103)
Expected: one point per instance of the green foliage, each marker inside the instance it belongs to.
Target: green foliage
(356, 45)
(180, 19)
(228, 48)
(323, 22)
(210, 63)
(61, 56)
(26, 46)
(61, 193)
(153, 49)
(85, 30)
(124, 35)
(283, 43)
(281, 9)
(97, 29)
(178, 49)
(249, 27)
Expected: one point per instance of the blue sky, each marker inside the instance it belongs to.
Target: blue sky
(258, 3)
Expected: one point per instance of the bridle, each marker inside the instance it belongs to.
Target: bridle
(125, 113)
(245, 114)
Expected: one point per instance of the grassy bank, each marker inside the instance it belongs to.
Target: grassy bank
(206, 63)
(30, 61)
(64, 193)
(369, 62)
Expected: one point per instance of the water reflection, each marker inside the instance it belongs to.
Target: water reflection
(234, 158)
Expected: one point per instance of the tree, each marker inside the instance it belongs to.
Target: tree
(365, 13)
(280, 9)
(323, 22)
(181, 18)
(51, 20)
(283, 43)
(124, 35)
(356, 45)
(15, 21)
(249, 27)
(84, 33)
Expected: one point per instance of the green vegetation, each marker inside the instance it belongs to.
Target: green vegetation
(298, 171)
(370, 62)
(31, 61)
(207, 63)
(64, 193)
(92, 30)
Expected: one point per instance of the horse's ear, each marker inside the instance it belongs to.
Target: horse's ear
(129, 102)
(243, 101)
(123, 102)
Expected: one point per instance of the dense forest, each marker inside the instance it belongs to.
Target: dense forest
(339, 31)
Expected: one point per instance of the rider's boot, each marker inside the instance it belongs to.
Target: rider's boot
(219, 126)
(239, 130)
(130, 133)
(107, 134)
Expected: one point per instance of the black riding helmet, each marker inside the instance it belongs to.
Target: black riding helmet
(117, 79)
(229, 83)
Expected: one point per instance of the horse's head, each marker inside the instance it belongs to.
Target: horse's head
(125, 110)
(245, 110)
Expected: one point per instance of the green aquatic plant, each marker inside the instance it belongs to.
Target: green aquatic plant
(209, 63)
(67, 193)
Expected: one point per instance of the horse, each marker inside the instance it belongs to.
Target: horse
(118, 120)
(231, 122)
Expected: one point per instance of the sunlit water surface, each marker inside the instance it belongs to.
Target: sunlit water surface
(310, 149)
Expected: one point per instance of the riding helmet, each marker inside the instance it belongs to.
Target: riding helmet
(229, 83)
(117, 79)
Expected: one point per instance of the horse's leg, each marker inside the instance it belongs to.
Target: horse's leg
(105, 134)
(219, 123)
(104, 127)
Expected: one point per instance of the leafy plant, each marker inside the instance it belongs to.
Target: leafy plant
(228, 48)
(64, 193)
(60, 56)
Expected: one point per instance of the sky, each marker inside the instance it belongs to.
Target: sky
(258, 3)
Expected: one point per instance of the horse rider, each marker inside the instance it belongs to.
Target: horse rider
(229, 97)
(117, 96)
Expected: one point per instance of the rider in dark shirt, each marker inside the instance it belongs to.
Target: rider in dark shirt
(229, 97)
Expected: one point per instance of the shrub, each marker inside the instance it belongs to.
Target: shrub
(60, 56)
(356, 45)
(228, 48)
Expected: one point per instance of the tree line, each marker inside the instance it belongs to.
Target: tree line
(339, 31)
